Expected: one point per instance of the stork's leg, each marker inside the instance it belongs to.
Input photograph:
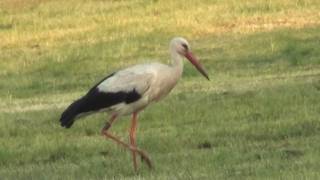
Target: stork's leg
(105, 132)
(133, 138)
(108, 124)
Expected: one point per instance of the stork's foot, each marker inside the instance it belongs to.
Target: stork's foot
(144, 157)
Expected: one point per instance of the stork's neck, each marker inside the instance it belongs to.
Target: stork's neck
(176, 63)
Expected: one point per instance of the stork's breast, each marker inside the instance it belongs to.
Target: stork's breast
(163, 90)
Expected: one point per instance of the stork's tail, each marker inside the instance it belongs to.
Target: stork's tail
(69, 115)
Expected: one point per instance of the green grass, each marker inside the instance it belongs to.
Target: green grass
(258, 117)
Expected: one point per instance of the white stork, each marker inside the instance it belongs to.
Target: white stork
(130, 90)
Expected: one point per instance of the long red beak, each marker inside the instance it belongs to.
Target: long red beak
(196, 64)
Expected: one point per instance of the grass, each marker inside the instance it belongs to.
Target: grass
(258, 117)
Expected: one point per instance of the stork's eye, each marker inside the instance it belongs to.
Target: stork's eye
(185, 46)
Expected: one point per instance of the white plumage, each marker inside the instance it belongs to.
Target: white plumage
(151, 81)
(130, 90)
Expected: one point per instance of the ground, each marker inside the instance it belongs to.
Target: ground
(257, 118)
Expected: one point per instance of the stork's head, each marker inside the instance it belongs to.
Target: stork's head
(182, 47)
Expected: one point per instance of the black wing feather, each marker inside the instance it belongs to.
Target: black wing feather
(96, 100)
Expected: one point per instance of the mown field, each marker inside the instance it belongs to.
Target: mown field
(257, 118)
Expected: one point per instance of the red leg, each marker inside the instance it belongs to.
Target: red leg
(133, 138)
(108, 124)
(105, 132)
